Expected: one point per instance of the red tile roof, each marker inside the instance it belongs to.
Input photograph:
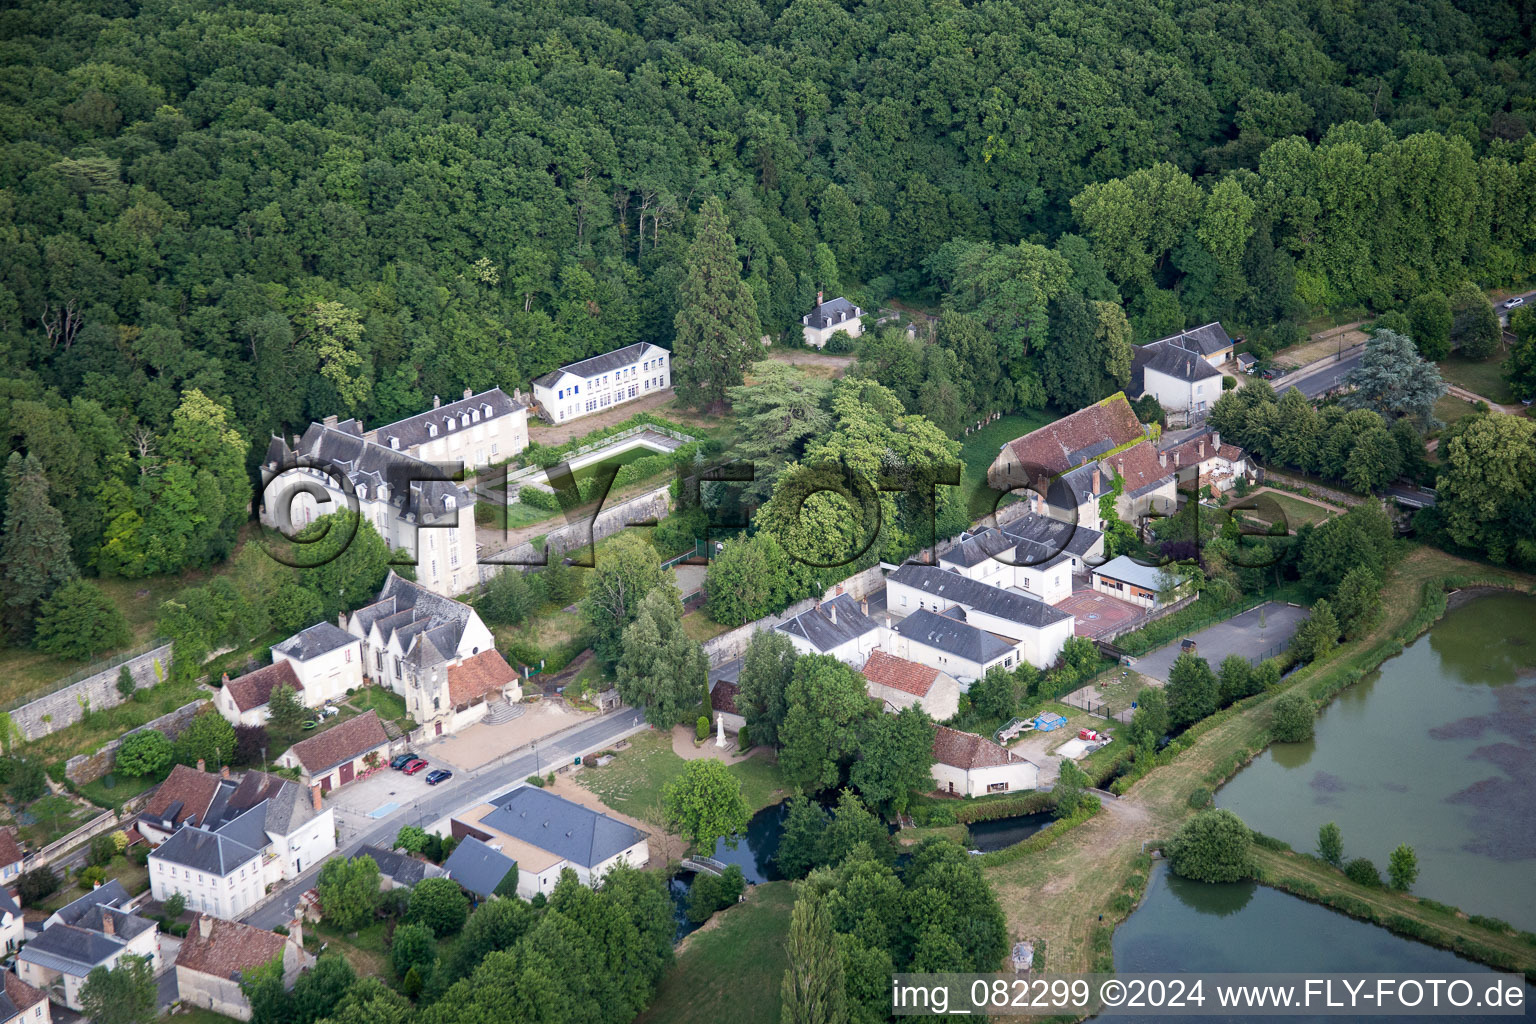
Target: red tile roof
(1140, 468)
(254, 689)
(966, 750)
(478, 676)
(723, 697)
(899, 673)
(193, 788)
(345, 742)
(10, 853)
(22, 995)
(228, 947)
(1049, 448)
(1189, 451)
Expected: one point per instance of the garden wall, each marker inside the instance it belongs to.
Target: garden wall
(651, 507)
(84, 768)
(66, 705)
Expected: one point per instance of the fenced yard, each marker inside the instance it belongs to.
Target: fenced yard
(1256, 634)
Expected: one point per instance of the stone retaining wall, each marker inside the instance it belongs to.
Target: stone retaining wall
(84, 768)
(66, 705)
(651, 507)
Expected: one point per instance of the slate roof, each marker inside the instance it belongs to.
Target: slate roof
(124, 924)
(213, 853)
(416, 490)
(952, 636)
(8, 902)
(18, 997)
(109, 893)
(975, 548)
(254, 689)
(605, 363)
(558, 826)
(341, 743)
(1170, 360)
(412, 430)
(477, 676)
(967, 751)
(1206, 340)
(321, 638)
(983, 597)
(831, 313)
(477, 867)
(427, 626)
(71, 949)
(186, 794)
(284, 805)
(723, 697)
(405, 871)
(816, 625)
(229, 949)
(1128, 570)
(899, 673)
(1078, 437)
(1042, 538)
(10, 851)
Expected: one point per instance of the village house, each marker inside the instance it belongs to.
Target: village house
(544, 834)
(217, 955)
(951, 645)
(344, 752)
(592, 385)
(225, 851)
(828, 318)
(900, 683)
(1037, 630)
(840, 627)
(1036, 554)
(1072, 441)
(326, 658)
(13, 927)
(1203, 461)
(20, 1003)
(1143, 585)
(1147, 484)
(93, 931)
(11, 857)
(479, 869)
(1179, 378)
(965, 764)
(413, 504)
(476, 431)
(246, 700)
(436, 653)
(397, 870)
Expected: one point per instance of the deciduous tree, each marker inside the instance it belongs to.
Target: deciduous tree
(662, 668)
(705, 804)
(79, 621)
(1213, 846)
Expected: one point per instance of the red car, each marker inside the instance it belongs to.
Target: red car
(415, 766)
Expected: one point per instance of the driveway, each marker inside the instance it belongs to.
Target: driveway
(463, 790)
(1243, 634)
(481, 744)
(1316, 379)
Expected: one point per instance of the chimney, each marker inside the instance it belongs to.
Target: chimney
(1096, 478)
(1202, 449)
(329, 421)
(863, 606)
(108, 926)
(1175, 458)
(224, 679)
(436, 401)
(832, 613)
(204, 926)
(296, 440)
(224, 771)
(314, 795)
(1215, 441)
(296, 930)
(887, 621)
(1162, 458)
(202, 765)
(341, 620)
(469, 393)
(517, 394)
(818, 298)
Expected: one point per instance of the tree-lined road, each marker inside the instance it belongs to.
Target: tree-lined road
(1317, 379)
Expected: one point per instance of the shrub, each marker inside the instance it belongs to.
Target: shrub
(103, 848)
(710, 893)
(92, 876)
(1292, 718)
(1362, 872)
(534, 780)
(125, 684)
(742, 738)
(1213, 846)
(702, 728)
(534, 497)
(175, 906)
(145, 752)
(37, 885)
(1199, 798)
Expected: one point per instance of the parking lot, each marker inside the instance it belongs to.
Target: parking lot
(1255, 634)
(361, 805)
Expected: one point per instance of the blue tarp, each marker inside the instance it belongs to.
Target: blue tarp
(1049, 720)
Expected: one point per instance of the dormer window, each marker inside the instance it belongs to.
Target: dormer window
(451, 423)
(394, 442)
(431, 429)
(474, 416)
(485, 410)
(362, 491)
(464, 420)
(449, 502)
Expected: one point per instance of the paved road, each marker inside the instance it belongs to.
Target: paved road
(465, 789)
(1530, 297)
(1315, 379)
(1410, 497)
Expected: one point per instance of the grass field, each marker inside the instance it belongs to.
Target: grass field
(1449, 409)
(509, 517)
(979, 450)
(1484, 378)
(1298, 513)
(633, 783)
(390, 706)
(731, 969)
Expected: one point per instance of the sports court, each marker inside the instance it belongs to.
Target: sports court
(1096, 615)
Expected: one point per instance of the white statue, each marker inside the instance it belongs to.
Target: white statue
(720, 729)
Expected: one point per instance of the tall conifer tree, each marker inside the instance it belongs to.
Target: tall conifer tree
(717, 325)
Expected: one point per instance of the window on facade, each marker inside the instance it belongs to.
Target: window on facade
(997, 787)
(434, 567)
(495, 448)
(431, 429)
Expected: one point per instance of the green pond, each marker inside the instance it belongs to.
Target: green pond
(1437, 749)
(1190, 926)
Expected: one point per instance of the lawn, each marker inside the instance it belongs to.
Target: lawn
(633, 783)
(1484, 378)
(1297, 512)
(389, 705)
(364, 949)
(732, 969)
(135, 879)
(701, 627)
(113, 788)
(979, 450)
(1449, 409)
(509, 517)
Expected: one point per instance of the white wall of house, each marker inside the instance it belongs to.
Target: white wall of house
(225, 703)
(1048, 583)
(852, 652)
(1173, 393)
(305, 846)
(530, 882)
(989, 570)
(227, 896)
(10, 871)
(940, 702)
(327, 676)
(1006, 778)
(44, 977)
(636, 856)
(1040, 647)
(337, 776)
(964, 670)
(13, 929)
(224, 995)
(473, 442)
(817, 337)
(570, 396)
(1163, 499)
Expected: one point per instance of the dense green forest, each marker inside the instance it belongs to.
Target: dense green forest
(269, 212)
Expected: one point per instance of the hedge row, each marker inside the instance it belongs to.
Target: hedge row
(549, 455)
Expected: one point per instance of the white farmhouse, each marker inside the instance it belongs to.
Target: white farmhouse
(601, 382)
(840, 627)
(900, 683)
(965, 764)
(830, 317)
(326, 659)
(476, 431)
(93, 931)
(412, 504)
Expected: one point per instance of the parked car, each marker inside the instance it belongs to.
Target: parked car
(401, 760)
(438, 775)
(1271, 373)
(1518, 300)
(414, 767)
